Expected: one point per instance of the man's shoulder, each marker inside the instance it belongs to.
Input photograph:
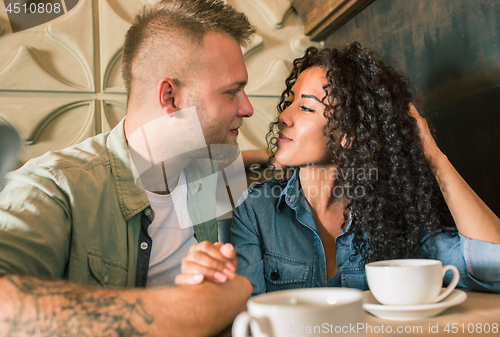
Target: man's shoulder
(64, 171)
(85, 155)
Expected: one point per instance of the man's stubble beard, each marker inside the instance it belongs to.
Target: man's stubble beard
(219, 150)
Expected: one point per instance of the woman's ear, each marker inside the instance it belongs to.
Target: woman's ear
(345, 143)
(165, 90)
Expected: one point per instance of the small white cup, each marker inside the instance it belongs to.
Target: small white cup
(409, 281)
(305, 312)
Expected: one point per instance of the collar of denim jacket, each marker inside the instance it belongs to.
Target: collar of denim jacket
(291, 193)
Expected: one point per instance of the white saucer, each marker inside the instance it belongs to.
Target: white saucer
(411, 312)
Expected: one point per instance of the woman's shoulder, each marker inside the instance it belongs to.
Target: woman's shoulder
(265, 194)
(260, 200)
(269, 184)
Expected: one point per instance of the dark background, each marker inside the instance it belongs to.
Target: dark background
(450, 50)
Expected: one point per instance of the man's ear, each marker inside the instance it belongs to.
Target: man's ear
(165, 91)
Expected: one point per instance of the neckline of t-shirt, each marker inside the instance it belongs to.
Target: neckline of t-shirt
(165, 199)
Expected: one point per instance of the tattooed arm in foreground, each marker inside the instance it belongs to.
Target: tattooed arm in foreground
(32, 306)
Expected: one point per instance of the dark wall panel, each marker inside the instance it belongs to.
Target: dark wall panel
(450, 50)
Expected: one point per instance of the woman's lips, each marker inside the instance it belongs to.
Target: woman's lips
(283, 138)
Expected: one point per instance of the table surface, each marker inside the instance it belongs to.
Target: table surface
(479, 312)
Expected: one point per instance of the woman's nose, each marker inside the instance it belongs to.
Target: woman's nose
(285, 118)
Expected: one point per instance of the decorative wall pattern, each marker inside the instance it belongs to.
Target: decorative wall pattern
(61, 82)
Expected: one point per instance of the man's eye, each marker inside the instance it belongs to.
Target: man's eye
(233, 92)
(286, 104)
(306, 108)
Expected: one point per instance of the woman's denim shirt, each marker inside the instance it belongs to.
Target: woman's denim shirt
(279, 247)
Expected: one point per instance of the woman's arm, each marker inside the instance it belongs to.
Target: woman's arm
(245, 236)
(474, 219)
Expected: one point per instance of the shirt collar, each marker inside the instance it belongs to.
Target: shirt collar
(291, 194)
(197, 172)
(132, 199)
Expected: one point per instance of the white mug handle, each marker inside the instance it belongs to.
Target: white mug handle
(241, 323)
(452, 285)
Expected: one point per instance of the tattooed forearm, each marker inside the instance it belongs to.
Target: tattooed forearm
(58, 308)
(31, 306)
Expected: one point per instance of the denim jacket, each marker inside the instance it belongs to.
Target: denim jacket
(279, 247)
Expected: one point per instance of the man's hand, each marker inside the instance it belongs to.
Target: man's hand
(206, 261)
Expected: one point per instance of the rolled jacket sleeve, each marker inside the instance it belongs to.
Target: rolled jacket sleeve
(35, 228)
(478, 262)
(482, 260)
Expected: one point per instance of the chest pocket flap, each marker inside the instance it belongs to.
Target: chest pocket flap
(280, 270)
(105, 272)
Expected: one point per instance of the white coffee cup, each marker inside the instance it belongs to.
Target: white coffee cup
(409, 281)
(305, 312)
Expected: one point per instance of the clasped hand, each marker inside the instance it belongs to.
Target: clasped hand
(206, 261)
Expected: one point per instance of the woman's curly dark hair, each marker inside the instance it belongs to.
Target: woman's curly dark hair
(367, 106)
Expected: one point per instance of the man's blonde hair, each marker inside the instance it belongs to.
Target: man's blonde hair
(164, 39)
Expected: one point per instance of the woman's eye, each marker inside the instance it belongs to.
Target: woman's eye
(306, 108)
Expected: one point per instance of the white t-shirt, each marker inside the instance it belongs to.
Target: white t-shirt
(171, 232)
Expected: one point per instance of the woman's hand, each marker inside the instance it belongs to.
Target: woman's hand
(474, 219)
(431, 151)
(206, 261)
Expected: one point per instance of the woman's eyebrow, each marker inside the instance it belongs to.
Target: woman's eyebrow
(312, 97)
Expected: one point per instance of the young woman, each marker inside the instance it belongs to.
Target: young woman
(369, 184)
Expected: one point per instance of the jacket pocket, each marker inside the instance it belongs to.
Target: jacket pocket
(105, 272)
(284, 273)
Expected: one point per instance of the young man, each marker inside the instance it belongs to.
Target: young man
(81, 216)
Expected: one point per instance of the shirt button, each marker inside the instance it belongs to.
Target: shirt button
(275, 275)
(292, 198)
(144, 245)
(147, 212)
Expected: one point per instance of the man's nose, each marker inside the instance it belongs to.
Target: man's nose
(246, 108)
